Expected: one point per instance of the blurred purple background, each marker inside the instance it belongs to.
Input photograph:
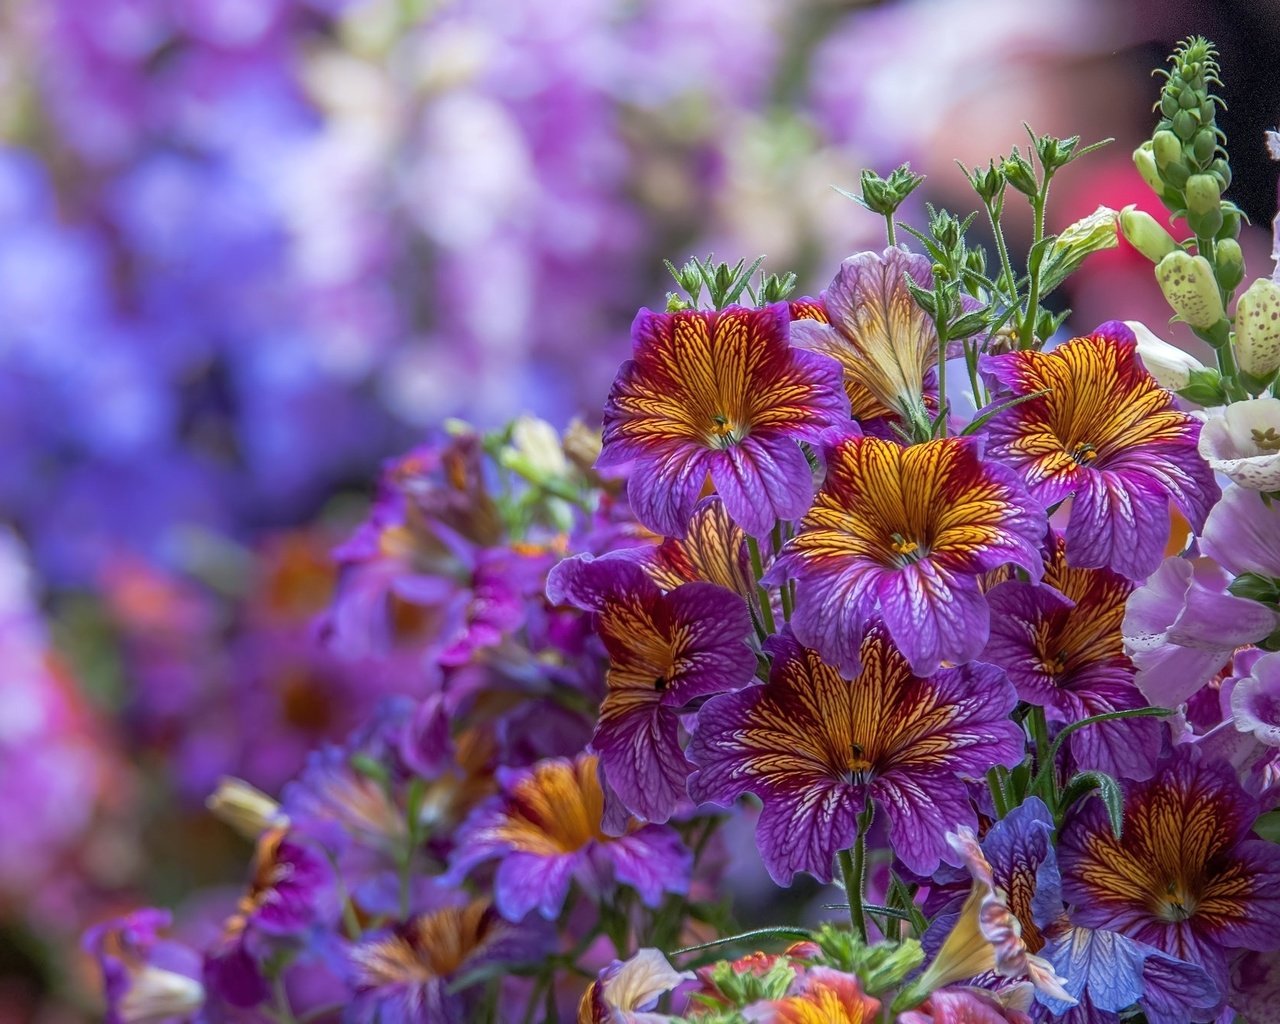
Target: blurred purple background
(250, 248)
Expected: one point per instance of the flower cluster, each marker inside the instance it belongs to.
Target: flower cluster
(1004, 675)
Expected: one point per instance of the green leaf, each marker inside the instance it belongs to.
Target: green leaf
(981, 421)
(1268, 826)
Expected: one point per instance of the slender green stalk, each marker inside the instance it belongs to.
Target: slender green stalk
(996, 785)
(757, 568)
(1044, 755)
(1007, 276)
(890, 230)
(1027, 336)
(852, 864)
(942, 376)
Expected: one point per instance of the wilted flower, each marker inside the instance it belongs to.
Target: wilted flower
(903, 534)
(1106, 434)
(965, 1005)
(245, 808)
(721, 393)
(626, 989)
(817, 749)
(665, 650)
(1168, 364)
(987, 934)
(1242, 441)
(1187, 876)
(145, 978)
(885, 343)
(546, 829)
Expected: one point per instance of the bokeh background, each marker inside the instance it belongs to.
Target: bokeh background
(250, 248)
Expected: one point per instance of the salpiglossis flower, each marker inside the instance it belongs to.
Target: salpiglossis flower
(407, 973)
(1107, 434)
(816, 748)
(665, 650)
(546, 828)
(1187, 876)
(713, 550)
(1060, 642)
(885, 343)
(624, 990)
(903, 534)
(721, 393)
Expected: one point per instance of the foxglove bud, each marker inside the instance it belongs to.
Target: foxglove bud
(1166, 148)
(1144, 233)
(1204, 204)
(1258, 328)
(1145, 161)
(1189, 287)
(1169, 365)
(1228, 261)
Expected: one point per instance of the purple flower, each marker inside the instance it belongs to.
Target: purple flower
(1103, 971)
(546, 829)
(1107, 434)
(144, 977)
(1242, 533)
(720, 393)
(817, 749)
(408, 973)
(903, 534)
(1255, 701)
(1181, 627)
(884, 341)
(1060, 643)
(665, 650)
(1187, 876)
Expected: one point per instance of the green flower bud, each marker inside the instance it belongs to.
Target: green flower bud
(1175, 175)
(1169, 104)
(1144, 233)
(1188, 99)
(1230, 222)
(1145, 161)
(1203, 193)
(1204, 145)
(1166, 148)
(1189, 287)
(1221, 170)
(1228, 262)
(1019, 173)
(1185, 125)
(1258, 328)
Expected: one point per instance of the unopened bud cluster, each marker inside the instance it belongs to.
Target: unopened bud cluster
(1185, 162)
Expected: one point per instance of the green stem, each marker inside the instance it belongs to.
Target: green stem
(975, 382)
(1006, 265)
(942, 377)
(853, 866)
(996, 785)
(1044, 755)
(284, 1009)
(1027, 337)
(891, 230)
(757, 567)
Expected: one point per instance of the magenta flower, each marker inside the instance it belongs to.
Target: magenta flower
(721, 393)
(816, 748)
(1107, 434)
(1187, 876)
(903, 534)
(665, 650)
(546, 829)
(1060, 643)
